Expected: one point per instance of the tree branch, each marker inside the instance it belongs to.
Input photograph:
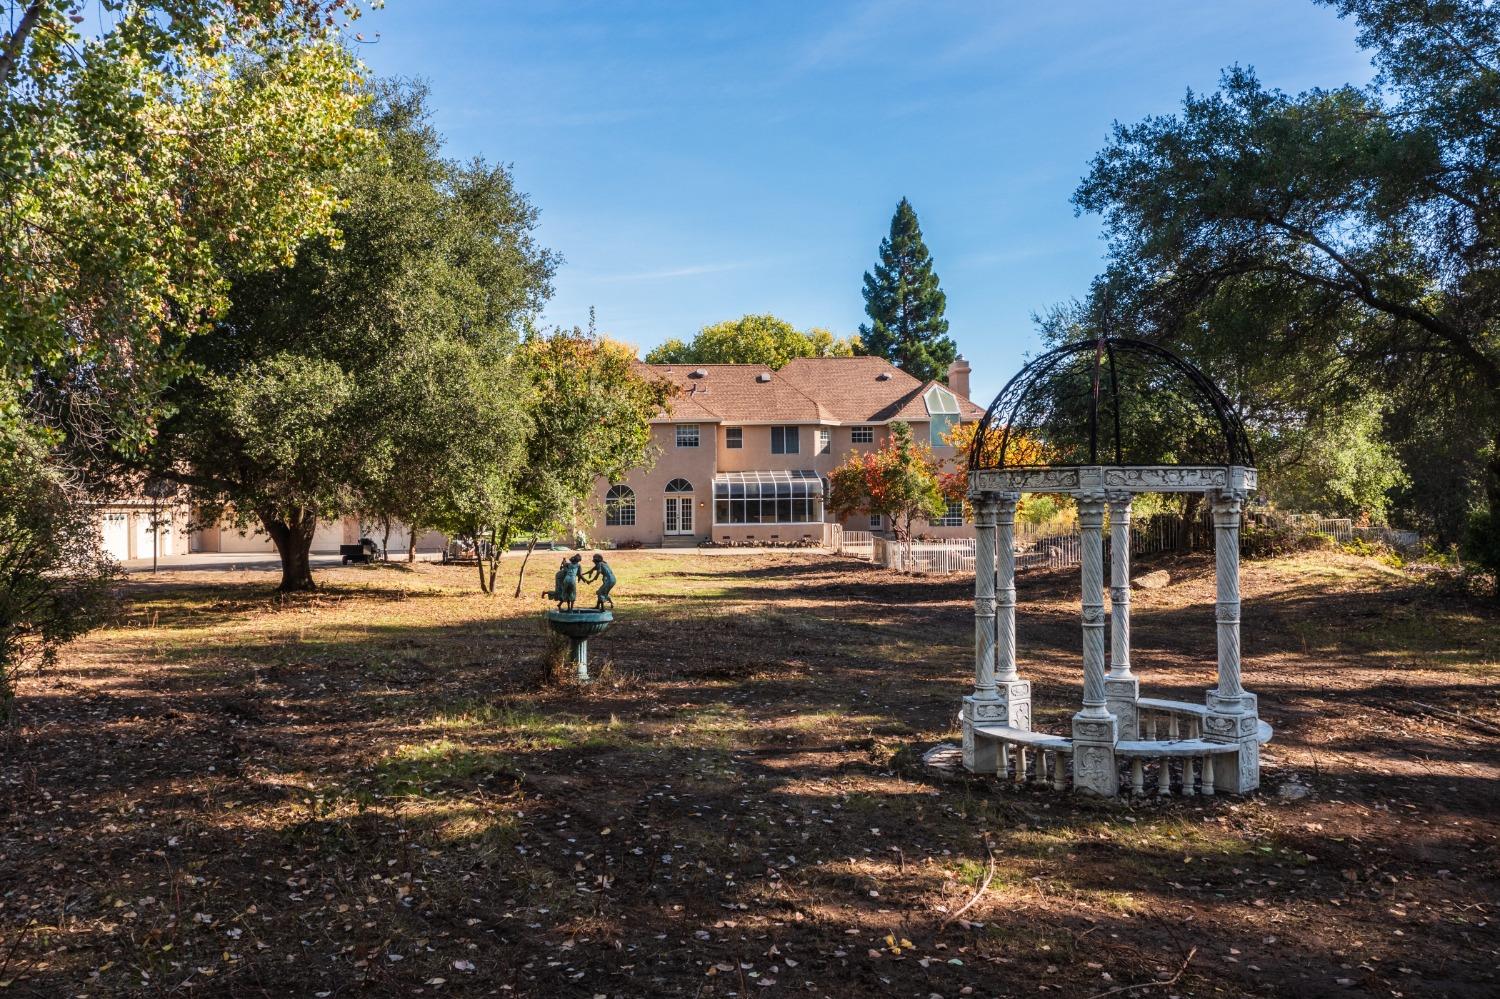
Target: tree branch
(17, 41)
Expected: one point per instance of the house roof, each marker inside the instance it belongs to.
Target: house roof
(842, 390)
(735, 393)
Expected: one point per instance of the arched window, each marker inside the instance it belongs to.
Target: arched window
(619, 506)
(679, 486)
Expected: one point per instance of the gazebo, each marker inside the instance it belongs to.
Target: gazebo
(1103, 420)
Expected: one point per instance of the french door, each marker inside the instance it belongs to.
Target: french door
(679, 515)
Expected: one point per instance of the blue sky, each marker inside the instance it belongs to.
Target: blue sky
(697, 161)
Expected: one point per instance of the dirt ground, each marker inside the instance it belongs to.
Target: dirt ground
(374, 791)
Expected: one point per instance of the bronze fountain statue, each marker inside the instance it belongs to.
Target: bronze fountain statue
(576, 625)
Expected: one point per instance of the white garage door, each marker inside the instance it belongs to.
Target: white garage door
(327, 537)
(116, 536)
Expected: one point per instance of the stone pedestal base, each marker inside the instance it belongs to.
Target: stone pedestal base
(1094, 770)
(1121, 695)
(1234, 721)
(1012, 708)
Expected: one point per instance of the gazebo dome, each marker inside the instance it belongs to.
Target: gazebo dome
(1109, 401)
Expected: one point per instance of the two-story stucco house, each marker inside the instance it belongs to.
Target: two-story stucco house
(744, 451)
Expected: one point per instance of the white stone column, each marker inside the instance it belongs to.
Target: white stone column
(1000, 696)
(1094, 728)
(1010, 688)
(980, 707)
(1122, 688)
(1232, 713)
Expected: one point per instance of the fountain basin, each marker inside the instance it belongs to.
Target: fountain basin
(578, 626)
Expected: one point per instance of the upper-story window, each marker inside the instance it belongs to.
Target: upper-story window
(825, 440)
(734, 437)
(687, 435)
(862, 435)
(786, 440)
(953, 516)
(942, 408)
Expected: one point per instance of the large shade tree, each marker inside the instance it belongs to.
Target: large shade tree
(145, 154)
(1375, 210)
(300, 406)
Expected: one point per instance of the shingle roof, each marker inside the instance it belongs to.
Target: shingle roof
(734, 393)
(807, 389)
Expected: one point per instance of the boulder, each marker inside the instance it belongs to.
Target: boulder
(1152, 580)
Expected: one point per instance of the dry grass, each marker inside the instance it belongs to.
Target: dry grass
(382, 790)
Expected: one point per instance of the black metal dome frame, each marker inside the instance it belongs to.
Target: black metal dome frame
(1201, 392)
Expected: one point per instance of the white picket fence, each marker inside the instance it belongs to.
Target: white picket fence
(941, 556)
(859, 544)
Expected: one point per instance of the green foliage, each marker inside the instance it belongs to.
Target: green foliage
(1482, 542)
(1343, 238)
(753, 339)
(375, 373)
(905, 304)
(901, 481)
(1340, 465)
(187, 140)
(54, 574)
(1267, 541)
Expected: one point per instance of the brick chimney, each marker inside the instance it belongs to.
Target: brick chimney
(958, 376)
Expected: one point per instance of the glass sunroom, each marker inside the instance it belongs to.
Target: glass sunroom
(793, 496)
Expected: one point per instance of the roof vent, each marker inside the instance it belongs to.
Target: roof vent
(884, 376)
(698, 373)
(764, 376)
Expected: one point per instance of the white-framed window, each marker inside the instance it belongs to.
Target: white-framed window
(734, 438)
(619, 506)
(786, 440)
(687, 435)
(953, 516)
(874, 521)
(862, 435)
(825, 440)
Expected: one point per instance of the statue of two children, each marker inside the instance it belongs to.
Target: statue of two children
(565, 584)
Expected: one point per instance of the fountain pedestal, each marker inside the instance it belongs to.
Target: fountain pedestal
(578, 626)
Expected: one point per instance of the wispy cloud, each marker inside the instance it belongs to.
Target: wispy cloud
(849, 35)
(669, 273)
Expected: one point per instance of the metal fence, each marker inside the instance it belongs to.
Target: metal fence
(1058, 545)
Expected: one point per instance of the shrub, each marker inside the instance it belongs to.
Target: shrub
(54, 573)
(1482, 543)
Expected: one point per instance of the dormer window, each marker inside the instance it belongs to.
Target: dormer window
(942, 411)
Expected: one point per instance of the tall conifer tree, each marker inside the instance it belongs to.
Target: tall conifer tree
(905, 303)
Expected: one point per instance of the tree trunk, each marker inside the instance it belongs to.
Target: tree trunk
(484, 586)
(293, 539)
(411, 543)
(494, 559)
(385, 539)
(519, 578)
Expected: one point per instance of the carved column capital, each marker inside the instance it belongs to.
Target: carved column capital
(1119, 500)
